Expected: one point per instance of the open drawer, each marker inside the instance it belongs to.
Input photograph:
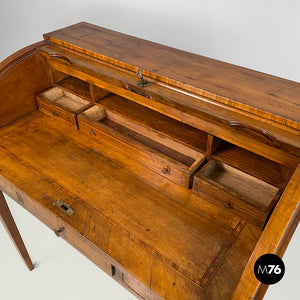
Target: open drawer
(244, 194)
(63, 104)
(154, 140)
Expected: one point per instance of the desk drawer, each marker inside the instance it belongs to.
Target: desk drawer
(149, 148)
(62, 104)
(235, 190)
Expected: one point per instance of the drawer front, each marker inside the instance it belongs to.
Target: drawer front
(244, 194)
(56, 111)
(222, 198)
(146, 156)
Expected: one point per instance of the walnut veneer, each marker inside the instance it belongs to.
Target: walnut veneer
(171, 171)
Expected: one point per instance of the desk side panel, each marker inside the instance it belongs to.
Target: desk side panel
(22, 76)
(274, 239)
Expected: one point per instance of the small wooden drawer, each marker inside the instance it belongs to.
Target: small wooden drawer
(102, 125)
(60, 103)
(238, 191)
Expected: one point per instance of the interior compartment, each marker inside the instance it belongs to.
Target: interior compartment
(158, 127)
(267, 170)
(102, 116)
(246, 187)
(77, 86)
(95, 113)
(177, 151)
(66, 99)
(152, 135)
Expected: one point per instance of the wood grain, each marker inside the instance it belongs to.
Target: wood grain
(11, 228)
(176, 186)
(74, 85)
(73, 228)
(159, 158)
(203, 114)
(18, 56)
(258, 93)
(256, 191)
(274, 238)
(255, 165)
(116, 207)
(136, 117)
(25, 72)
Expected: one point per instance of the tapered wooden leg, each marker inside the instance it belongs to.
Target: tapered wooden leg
(11, 227)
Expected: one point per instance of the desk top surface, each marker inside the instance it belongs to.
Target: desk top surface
(260, 94)
(140, 206)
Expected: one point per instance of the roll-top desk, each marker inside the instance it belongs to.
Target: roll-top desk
(171, 171)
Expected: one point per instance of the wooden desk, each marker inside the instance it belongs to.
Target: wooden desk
(171, 171)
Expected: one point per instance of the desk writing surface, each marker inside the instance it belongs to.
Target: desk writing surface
(52, 165)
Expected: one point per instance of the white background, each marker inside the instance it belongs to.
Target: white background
(261, 35)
